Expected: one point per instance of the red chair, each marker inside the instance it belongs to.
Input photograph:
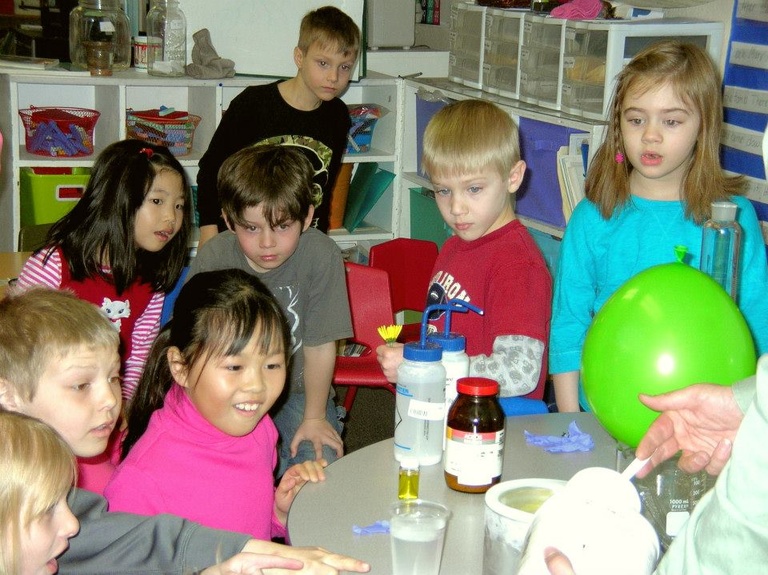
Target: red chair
(371, 307)
(409, 263)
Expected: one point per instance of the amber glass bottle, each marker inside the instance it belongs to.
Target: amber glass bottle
(474, 436)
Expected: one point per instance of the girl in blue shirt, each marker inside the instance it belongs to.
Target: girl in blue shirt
(648, 189)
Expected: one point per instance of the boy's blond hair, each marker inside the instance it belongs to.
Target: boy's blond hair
(37, 468)
(330, 28)
(469, 136)
(41, 325)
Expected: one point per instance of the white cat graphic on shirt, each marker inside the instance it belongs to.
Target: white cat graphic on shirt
(116, 310)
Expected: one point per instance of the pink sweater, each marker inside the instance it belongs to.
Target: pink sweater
(93, 473)
(185, 466)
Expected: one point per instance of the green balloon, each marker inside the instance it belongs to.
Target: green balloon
(666, 328)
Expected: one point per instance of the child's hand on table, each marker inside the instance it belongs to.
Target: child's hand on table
(252, 564)
(293, 480)
(557, 563)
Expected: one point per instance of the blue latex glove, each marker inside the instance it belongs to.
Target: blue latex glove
(372, 529)
(573, 440)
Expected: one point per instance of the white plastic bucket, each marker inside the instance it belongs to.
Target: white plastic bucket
(509, 509)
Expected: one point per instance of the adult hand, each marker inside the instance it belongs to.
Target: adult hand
(701, 420)
(390, 357)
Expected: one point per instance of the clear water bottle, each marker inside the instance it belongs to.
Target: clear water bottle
(456, 363)
(420, 400)
(420, 403)
(721, 246)
(166, 39)
(455, 359)
(100, 25)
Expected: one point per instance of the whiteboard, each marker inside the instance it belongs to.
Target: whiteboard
(259, 35)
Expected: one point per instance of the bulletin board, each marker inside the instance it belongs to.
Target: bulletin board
(745, 100)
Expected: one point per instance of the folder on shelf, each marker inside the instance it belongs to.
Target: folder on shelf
(367, 186)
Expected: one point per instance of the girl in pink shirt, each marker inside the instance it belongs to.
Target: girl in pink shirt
(200, 441)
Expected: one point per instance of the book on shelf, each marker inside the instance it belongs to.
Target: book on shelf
(430, 12)
(28, 62)
(570, 175)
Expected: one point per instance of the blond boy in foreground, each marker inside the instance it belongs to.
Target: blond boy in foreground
(57, 363)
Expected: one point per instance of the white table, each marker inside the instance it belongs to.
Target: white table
(361, 486)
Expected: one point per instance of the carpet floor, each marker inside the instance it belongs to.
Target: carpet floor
(372, 418)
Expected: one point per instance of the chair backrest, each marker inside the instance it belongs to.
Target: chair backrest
(409, 263)
(369, 303)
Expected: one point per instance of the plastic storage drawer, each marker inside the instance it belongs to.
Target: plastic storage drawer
(467, 44)
(500, 68)
(47, 194)
(595, 51)
(504, 25)
(541, 56)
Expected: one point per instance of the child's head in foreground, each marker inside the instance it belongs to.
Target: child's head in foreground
(37, 470)
(227, 346)
(266, 194)
(59, 363)
(472, 156)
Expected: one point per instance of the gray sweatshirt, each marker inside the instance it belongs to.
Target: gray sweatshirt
(134, 544)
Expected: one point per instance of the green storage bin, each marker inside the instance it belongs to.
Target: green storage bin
(426, 221)
(47, 194)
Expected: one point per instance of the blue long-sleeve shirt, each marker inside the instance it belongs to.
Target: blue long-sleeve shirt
(598, 256)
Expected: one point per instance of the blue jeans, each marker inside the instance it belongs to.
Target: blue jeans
(288, 418)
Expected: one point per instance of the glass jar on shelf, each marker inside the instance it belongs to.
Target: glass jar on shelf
(99, 24)
(166, 39)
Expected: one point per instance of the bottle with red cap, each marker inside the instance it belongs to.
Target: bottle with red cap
(474, 445)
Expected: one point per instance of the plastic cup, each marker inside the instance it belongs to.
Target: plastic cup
(417, 534)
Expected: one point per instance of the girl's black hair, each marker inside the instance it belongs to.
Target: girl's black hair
(100, 228)
(216, 314)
